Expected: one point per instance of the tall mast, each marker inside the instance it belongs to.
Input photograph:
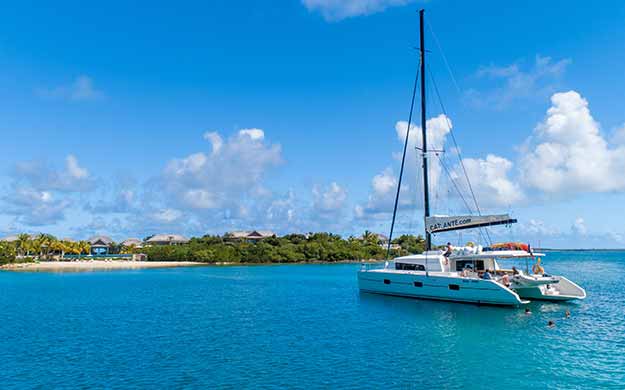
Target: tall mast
(426, 194)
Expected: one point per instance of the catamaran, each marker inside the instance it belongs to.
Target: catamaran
(461, 274)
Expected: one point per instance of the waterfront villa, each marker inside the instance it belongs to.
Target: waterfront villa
(100, 245)
(166, 239)
(248, 236)
(134, 242)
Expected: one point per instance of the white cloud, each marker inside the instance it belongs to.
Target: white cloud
(568, 154)
(537, 228)
(579, 227)
(81, 89)
(329, 200)
(166, 215)
(437, 130)
(35, 208)
(382, 196)
(39, 194)
(201, 199)
(511, 82)
(281, 212)
(334, 10)
(41, 176)
(215, 139)
(490, 181)
(618, 136)
(227, 176)
(255, 134)
(123, 201)
(74, 170)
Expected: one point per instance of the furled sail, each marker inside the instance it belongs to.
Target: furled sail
(436, 224)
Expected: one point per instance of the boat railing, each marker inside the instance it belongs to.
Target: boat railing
(367, 266)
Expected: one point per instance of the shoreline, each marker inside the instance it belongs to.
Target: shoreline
(88, 265)
(103, 265)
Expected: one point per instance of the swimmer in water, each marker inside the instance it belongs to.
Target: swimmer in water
(528, 311)
(551, 324)
(567, 314)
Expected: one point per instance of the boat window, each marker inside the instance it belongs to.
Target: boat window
(418, 284)
(409, 267)
(461, 264)
(454, 287)
(387, 281)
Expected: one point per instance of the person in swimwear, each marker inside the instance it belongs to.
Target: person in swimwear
(538, 269)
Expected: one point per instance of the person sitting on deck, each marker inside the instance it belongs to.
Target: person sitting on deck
(487, 275)
(449, 250)
(538, 269)
(505, 279)
(467, 270)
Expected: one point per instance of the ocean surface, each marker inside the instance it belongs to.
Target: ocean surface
(304, 327)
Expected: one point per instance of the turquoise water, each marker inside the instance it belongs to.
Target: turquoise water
(301, 326)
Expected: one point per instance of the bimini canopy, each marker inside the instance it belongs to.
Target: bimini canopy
(438, 224)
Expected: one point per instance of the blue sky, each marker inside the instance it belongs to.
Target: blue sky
(194, 118)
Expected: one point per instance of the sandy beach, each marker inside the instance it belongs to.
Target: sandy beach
(95, 265)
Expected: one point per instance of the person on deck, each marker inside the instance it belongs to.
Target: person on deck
(538, 269)
(515, 271)
(449, 250)
(487, 275)
(505, 279)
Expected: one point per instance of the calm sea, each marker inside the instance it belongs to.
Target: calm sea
(301, 326)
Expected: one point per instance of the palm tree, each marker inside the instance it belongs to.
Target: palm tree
(46, 241)
(74, 248)
(128, 248)
(57, 246)
(370, 237)
(35, 247)
(84, 247)
(22, 244)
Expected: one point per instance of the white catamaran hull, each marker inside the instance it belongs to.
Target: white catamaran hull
(436, 285)
(562, 290)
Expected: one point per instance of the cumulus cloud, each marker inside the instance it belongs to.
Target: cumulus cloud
(35, 208)
(437, 130)
(512, 82)
(329, 201)
(618, 136)
(39, 193)
(382, 196)
(490, 181)
(81, 88)
(74, 170)
(230, 173)
(579, 227)
(166, 215)
(568, 153)
(334, 10)
(43, 176)
(215, 139)
(123, 201)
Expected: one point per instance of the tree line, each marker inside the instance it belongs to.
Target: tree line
(291, 248)
(326, 247)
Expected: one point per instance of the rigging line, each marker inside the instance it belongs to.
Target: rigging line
(453, 137)
(459, 193)
(454, 183)
(403, 160)
(440, 48)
